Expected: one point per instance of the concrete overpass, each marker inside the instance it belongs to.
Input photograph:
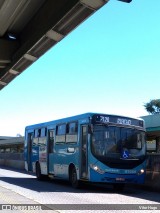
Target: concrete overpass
(28, 28)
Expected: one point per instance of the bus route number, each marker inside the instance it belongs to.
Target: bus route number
(104, 119)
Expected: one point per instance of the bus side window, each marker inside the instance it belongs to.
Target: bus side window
(71, 136)
(37, 133)
(61, 134)
(61, 129)
(43, 132)
(72, 129)
(35, 138)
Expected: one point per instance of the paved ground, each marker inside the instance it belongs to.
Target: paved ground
(21, 188)
(11, 201)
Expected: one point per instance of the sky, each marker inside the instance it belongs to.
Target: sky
(109, 64)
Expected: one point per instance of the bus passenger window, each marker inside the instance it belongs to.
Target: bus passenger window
(72, 136)
(43, 132)
(61, 134)
(61, 129)
(37, 133)
(73, 128)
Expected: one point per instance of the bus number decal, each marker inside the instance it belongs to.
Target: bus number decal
(104, 119)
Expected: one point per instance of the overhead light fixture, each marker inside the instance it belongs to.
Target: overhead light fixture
(12, 36)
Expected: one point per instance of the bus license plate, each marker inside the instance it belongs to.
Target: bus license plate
(120, 179)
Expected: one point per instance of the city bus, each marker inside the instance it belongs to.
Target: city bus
(90, 148)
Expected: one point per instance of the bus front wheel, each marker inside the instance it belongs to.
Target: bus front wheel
(73, 178)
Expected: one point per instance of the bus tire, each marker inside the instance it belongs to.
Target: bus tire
(118, 187)
(38, 172)
(73, 178)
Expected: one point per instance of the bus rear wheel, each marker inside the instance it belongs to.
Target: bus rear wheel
(73, 178)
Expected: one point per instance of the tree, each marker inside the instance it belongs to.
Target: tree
(153, 107)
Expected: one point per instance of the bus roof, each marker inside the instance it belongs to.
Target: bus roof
(82, 116)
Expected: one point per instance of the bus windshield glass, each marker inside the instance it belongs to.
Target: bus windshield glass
(112, 142)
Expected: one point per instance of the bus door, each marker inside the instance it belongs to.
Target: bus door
(43, 150)
(84, 152)
(29, 149)
(51, 156)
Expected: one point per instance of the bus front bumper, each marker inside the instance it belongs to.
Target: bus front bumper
(105, 177)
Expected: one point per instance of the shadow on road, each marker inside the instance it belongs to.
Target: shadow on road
(22, 179)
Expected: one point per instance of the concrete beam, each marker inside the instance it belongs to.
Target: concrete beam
(94, 4)
(3, 83)
(54, 35)
(14, 72)
(30, 57)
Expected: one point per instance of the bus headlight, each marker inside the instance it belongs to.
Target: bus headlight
(97, 169)
(141, 172)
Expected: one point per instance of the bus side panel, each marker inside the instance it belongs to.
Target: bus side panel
(64, 153)
(60, 160)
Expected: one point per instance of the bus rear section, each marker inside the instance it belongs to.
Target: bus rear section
(91, 147)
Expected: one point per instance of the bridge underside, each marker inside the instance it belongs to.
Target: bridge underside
(29, 28)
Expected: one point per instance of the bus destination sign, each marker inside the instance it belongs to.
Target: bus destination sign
(117, 120)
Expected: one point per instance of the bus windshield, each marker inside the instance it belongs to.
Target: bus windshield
(112, 142)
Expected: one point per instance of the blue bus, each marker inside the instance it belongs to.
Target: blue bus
(91, 147)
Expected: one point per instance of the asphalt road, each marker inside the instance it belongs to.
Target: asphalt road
(24, 190)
